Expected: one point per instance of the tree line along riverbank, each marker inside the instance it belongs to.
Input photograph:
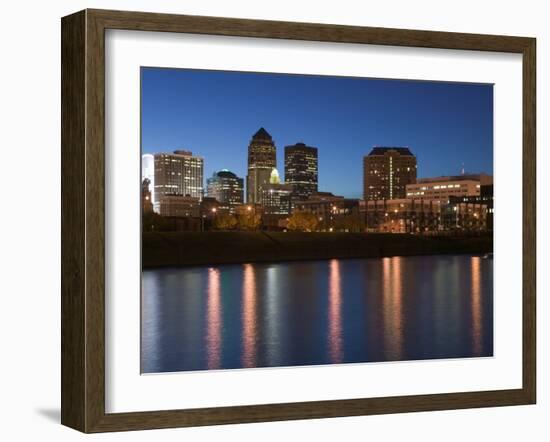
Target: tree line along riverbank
(173, 249)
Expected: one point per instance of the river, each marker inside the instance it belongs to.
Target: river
(316, 312)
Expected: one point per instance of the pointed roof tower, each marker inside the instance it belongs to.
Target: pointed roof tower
(262, 134)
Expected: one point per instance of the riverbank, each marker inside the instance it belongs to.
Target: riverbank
(173, 249)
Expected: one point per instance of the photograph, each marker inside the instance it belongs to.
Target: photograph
(303, 220)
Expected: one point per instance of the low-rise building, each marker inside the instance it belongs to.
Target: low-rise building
(410, 215)
(485, 197)
(210, 207)
(248, 209)
(444, 187)
(179, 206)
(330, 210)
(146, 200)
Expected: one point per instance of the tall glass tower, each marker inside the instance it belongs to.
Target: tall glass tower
(262, 158)
(226, 188)
(301, 170)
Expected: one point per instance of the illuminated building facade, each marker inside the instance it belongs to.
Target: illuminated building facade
(275, 197)
(485, 197)
(262, 158)
(445, 187)
(226, 188)
(179, 173)
(387, 171)
(301, 170)
(409, 215)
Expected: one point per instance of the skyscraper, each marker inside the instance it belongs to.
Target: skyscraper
(387, 171)
(178, 173)
(301, 170)
(226, 188)
(262, 158)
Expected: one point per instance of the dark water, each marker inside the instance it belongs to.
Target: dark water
(317, 312)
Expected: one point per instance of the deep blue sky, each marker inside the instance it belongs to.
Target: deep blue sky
(215, 113)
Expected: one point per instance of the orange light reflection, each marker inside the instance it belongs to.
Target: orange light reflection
(214, 320)
(249, 317)
(476, 304)
(392, 293)
(335, 314)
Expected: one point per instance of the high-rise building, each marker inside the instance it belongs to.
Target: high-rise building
(226, 188)
(262, 158)
(387, 171)
(301, 170)
(275, 197)
(148, 172)
(178, 173)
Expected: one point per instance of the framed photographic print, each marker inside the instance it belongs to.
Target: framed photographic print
(270, 220)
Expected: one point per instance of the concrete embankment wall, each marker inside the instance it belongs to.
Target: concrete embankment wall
(172, 249)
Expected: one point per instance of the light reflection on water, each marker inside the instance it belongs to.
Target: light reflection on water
(392, 307)
(214, 320)
(249, 319)
(477, 330)
(316, 312)
(335, 314)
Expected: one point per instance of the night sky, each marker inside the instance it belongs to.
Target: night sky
(215, 113)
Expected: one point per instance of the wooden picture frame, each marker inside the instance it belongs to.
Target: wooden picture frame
(83, 220)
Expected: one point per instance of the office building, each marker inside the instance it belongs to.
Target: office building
(387, 171)
(484, 197)
(301, 170)
(262, 158)
(411, 215)
(444, 187)
(226, 188)
(178, 173)
(275, 197)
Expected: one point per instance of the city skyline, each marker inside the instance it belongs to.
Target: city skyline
(169, 94)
